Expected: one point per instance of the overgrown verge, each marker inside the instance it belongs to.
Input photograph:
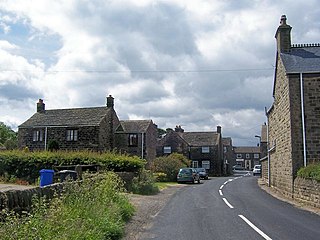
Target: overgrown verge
(312, 171)
(94, 209)
(26, 165)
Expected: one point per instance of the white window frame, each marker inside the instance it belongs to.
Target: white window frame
(205, 149)
(72, 135)
(195, 164)
(247, 155)
(167, 149)
(206, 164)
(133, 139)
(239, 155)
(37, 136)
(256, 155)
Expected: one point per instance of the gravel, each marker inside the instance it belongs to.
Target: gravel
(147, 208)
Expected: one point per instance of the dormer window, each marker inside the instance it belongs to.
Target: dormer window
(205, 149)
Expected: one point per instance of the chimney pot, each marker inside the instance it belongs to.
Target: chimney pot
(110, 101)
(219, 129)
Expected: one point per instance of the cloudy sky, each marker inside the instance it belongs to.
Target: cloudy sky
(194, 63)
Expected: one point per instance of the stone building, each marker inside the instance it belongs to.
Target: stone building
(137, 137)
(204, 149)
(71, 129)
(94, 128)
(294, 117)
(247, 156)
(228, 154)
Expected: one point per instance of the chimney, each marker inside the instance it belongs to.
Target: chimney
(283, 36)
(110, 101)
(178, 128)
(40, 106)
(219, 129)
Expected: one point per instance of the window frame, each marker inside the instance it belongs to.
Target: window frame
(256, 155)
(247, 155)
(37, 136)
(195, 164)
(239, 155)
(133, 140)
(205, 164)
(205, 149)
(167, 150)
(72, 135)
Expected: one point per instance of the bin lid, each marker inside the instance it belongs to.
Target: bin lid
(46, 171)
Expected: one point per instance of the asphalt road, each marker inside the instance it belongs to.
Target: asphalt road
(231, 208)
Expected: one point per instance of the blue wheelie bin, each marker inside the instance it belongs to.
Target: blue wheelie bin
(46, 177)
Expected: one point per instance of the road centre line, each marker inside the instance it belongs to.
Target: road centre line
(220, 192)
(221, 187)
(255, 228)
(226, 202)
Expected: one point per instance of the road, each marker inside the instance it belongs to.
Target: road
(231, 208)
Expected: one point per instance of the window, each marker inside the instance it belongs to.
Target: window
(239, 155)
(206, 164)
(133, 140)
(225, 149)
(256, 155)
(37, 136)
(194, 164)
(247, 155)
(167, 149)
(205, 150)
(72, 135)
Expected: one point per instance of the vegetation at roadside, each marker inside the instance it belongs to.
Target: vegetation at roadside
(312, 171)
(94, 209)
(163, 185)
(26, 165)
(167, 168)
(144, 183)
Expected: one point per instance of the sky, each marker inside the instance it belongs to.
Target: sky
(195, 63)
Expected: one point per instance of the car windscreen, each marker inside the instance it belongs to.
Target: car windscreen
(187, 170)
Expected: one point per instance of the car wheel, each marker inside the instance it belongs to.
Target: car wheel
(199, 181)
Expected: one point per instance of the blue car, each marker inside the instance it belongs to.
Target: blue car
(203, 173)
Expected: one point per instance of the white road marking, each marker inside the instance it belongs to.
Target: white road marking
(220, 192)
(255, 228)
(226, 202)
(221, 187)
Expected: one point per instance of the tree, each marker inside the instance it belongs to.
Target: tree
(8, 137)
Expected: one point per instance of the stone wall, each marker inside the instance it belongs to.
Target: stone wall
(307, 191)
(281, 176)
(264, 169)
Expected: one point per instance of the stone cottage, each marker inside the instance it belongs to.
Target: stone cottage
(204, 149)
(94, 128)
(137, 137)
(294, 117)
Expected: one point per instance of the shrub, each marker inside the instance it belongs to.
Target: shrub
(160, 177)
(144, 183)
(170, 165)
(312, 171)
(94, 209)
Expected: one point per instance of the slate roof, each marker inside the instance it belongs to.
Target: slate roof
(302, 59)
(246, 149)
(227, 141)
(68, 117)
(134, 126)
(200, 138)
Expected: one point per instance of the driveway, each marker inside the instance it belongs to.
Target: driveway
(6, 187)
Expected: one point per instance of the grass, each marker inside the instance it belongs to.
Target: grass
(163, 185)
(94, 209)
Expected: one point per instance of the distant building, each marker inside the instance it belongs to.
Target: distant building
(294, 117)
(247, 157)
(228, 154)
(204, 149)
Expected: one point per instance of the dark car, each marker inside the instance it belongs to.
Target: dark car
(188, 175)
(203, 173)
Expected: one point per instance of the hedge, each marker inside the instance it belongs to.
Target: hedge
(26, 165)
(312, 171)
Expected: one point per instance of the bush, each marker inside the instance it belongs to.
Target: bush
(26, 165)
(94, 209)
(312, 171)
(170, 165)
(144, 183)
(160, 177)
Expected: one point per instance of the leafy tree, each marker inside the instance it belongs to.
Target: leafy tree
(170, 165)
(8, 137)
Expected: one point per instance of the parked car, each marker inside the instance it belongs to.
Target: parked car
(188, 175)
(237, 167)
(256, 170)
(203, 173)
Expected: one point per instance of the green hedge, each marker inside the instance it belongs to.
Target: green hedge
(312, 171)
(26, 165)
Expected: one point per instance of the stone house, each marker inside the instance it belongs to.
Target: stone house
(294, 117)
(94, 128)
(228, 154)
(204, 149)
(137, 137)
(72, 129)
(247, 157)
